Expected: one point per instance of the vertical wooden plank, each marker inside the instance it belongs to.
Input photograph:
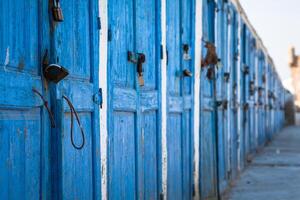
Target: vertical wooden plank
(24, 128)
(75, 46)
(174, 162)
(208, 137)
(122, 176)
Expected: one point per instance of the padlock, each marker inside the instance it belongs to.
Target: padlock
(57, 12)
(141, 80)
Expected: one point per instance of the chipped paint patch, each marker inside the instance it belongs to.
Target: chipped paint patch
(6, 62)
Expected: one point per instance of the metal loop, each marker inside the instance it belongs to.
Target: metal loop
(45, 102)
(73, 112)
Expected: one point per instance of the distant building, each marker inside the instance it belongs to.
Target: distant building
(295, 69)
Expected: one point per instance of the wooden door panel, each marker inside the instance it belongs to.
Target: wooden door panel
(208, 151)
(23, 123)
(75, 47)
(175, 173)
(134, 26)
(122, 176)
(20, 164)
(179, 98)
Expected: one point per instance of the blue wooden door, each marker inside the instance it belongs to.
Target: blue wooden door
(233, 56)
(24, 122)
(261, 98)
(208, 152)
(133, 118)
(226, 92)
(180, 97)
(246, 92)
(244, 72)
(221, 84)
(74, 45)
(267, 105)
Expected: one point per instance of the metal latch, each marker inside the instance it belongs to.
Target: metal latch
(246, 69)
(223, 103)
(186, 55)
(187, 73)
(226, 76)
(252, 88)
(139, 59)
(211, 57)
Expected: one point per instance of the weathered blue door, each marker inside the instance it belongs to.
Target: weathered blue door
(74, 45)
(261, 78)
(133, 118)
(180, 98)
(233, 56)
(243, 108)
(226, 92)
(269, 101)
(251, 88)
(24, 122)
(208, 152)
(221, 84)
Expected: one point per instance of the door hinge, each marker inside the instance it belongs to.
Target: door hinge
(109, 35)
(167, 57)
(161, 196)
(99, 23)
(98, 98)
(161, 52)
(193, 190)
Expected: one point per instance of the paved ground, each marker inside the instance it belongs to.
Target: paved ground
(275, 173)
(297, 118)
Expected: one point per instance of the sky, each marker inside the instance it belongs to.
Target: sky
(277, 22)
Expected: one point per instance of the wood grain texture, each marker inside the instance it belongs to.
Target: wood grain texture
(180, 25)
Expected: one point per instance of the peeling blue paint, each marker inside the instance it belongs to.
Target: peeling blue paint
(241, 100)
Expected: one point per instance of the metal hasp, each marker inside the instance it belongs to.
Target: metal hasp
(211, 57)
(226, 76)
(139, 59)
(186, 55)
(252, 88)
(223, 104)
(57, 11)
(246, 106)
(246, 69)
(260, 91)
(187, 73)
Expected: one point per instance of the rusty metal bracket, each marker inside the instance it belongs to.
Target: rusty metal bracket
(45, 102)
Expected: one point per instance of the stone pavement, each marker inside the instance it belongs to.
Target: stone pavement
(274, 174)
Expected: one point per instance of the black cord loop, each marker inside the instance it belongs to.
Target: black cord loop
(46, 106)
(73, 112)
